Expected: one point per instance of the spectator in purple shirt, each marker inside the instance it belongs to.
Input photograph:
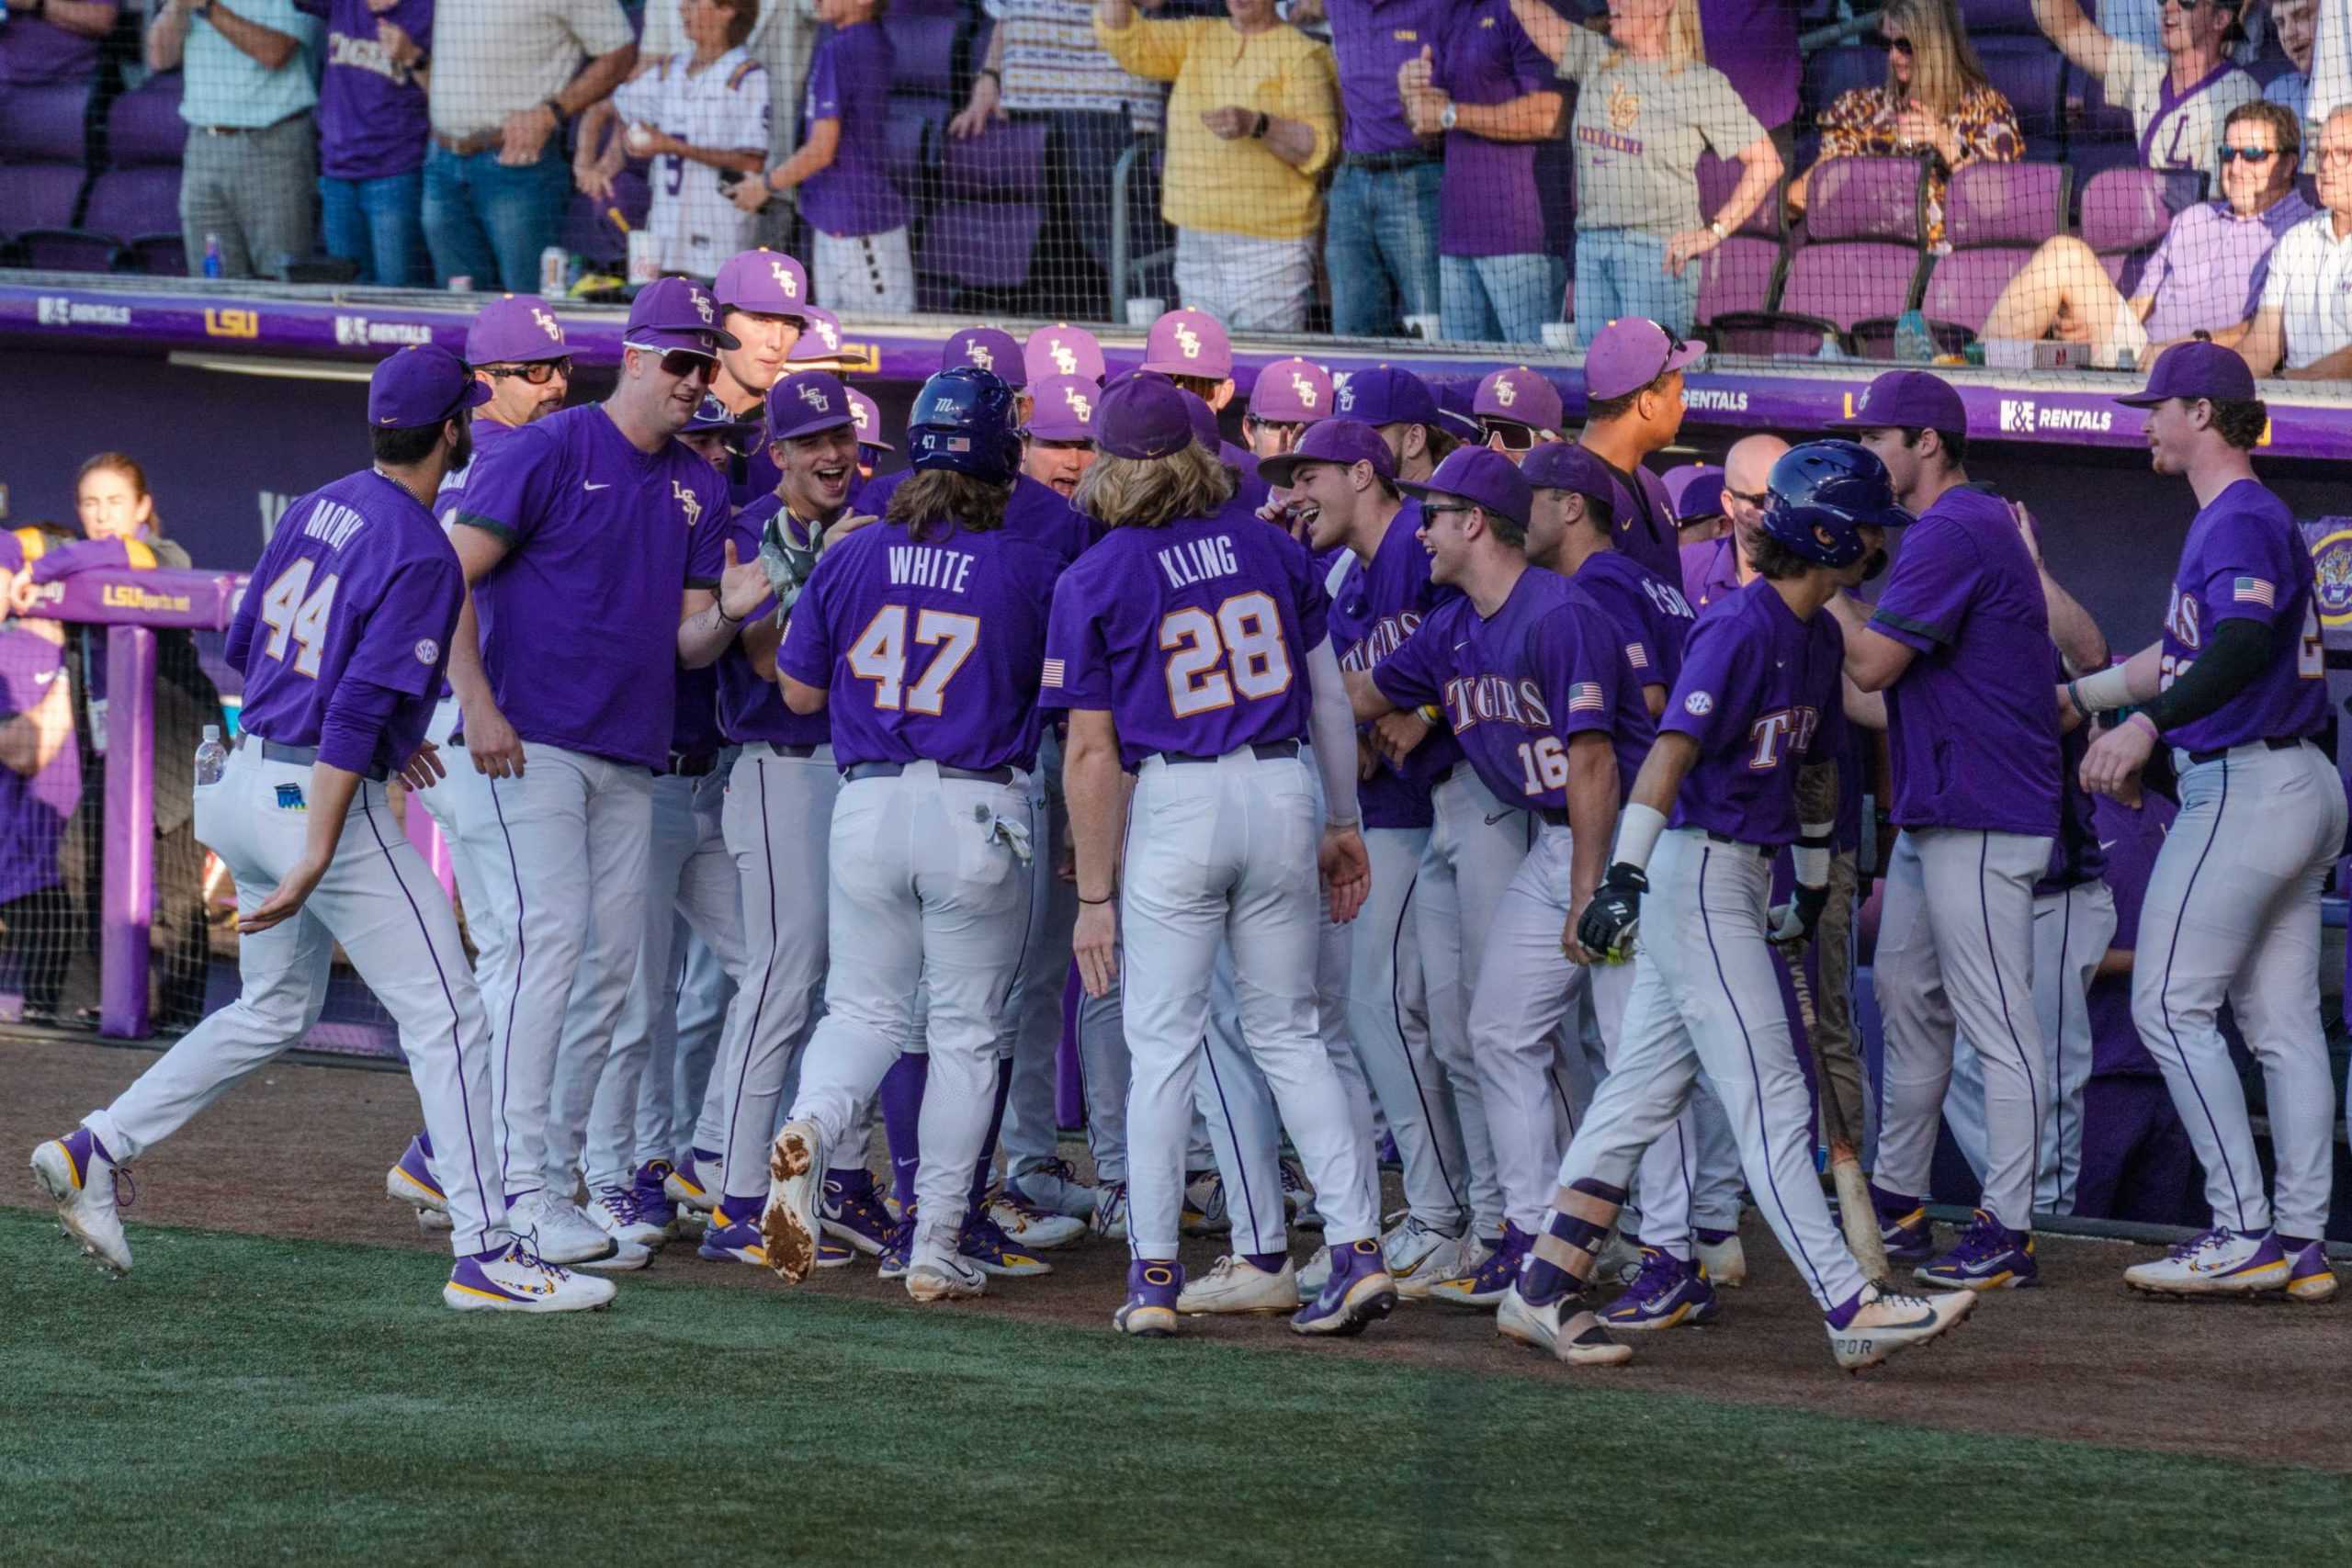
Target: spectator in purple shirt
(373, 129)
(1492, 94)
(54, 41)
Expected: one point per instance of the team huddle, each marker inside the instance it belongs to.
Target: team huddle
(1380, 780)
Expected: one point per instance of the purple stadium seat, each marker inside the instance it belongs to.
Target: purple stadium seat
(1833, 71)
(2097, 118)
(64, 249)
(144, 127)
(1983, 17)
(923, 51)
(2127, 212)
(2031, 75)
(138, 194)
(157, 256)
(1864, 222)
(984, 232)
(1741, 273)
(44, 155)
(1995, 215)
(917, 128)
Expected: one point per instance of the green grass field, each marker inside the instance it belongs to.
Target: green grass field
(245, 1400)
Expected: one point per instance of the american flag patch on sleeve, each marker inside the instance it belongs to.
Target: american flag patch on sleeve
(2255, 590)
(1638, 656)
(1051, 676)
(1585, 697)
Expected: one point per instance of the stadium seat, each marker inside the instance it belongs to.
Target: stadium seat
(2032, 75)
(2126, 214)
(983, 234)
(1862, 261)
(924, 49)
(44, 155)
(156, 256)
(1997, 16)
(136, 200)
(1995, 215)
(65, 250)
(1740, 273)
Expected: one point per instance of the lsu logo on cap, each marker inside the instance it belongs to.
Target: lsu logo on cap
(702, 305)
(547, 325)
(977, 353)
(828, 333)
(1080, 403)
(785, 280)
(1188, 341)
(857, 415)
(1303, 387)
(1505, 393)
(1065, 359)
(815, 398)
(688, 503)
(1345, 397)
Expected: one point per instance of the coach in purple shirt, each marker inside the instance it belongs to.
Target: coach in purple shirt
(1380, 242)
(372, 134)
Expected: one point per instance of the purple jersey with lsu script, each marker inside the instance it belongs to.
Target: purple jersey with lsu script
(2245, 560)
(1650, 613)
(1971, 723)
(1374, 607)
(750, 709)
(1761, 693)
(1193, 637)
(929, 645)
(580, 621)
(1515, 684)
(1036, 512)
(355, 583)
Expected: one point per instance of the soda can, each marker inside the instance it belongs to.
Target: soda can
(644, 256)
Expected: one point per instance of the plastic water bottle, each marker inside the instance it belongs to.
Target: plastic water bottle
(211, 758)
(1830, 347)
(555, 272)
(1914, 344)
(212, 255)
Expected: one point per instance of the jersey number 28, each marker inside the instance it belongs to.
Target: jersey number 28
(290, 610)
(880, 655)
(1212, 657)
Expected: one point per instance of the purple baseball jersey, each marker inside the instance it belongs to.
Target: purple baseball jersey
(1759, 691)
(929, 645)
(1972, 724)
(2132, 840)
(34, 806)
(1546, 666)
(1644, 514)
(1193, 637)
(1649, 615)
(357, 583)
(1037, 513)
(372, 121)
(749, 708)
(1487, 204)
(1370, 39)
(1375, 608)
(487, 434)
(848, 82)
(580, 621)
(1710, 571)
(2244, 560)
(753, 474)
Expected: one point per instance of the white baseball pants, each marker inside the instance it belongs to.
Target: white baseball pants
(380, 902)
(1388, 1021)
(1955, 956)
(2231, 913)
(700, 993)
(1223, 854)
(1705, 999)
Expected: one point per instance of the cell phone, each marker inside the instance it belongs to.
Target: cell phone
(730, 178)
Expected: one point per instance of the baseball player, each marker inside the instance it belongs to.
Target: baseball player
(1400, 406)
(866, 416)
(923, 637)
(574, 534)
(1634, 406)
(1759, 696)
(1516, 409)
(992, 349)
(1062, 350)
(1190, 645)
(342, 643)
(1960, 642)
(764, 296)
(2237, 687)
(1057, 438)
(699, 117)
(1290, 396)
(1537, 688)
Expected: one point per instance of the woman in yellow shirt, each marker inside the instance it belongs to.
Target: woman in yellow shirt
(1254, 121)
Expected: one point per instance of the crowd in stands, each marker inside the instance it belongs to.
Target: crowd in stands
(1475, 169)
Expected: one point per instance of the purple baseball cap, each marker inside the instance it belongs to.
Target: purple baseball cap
(422, 384)
(1061, 408)
(1629, 354)
(1913, 400)
(2194, 370)
(986, 348)
(1343, 441)
(1205, 429)
(762, 283)
(676, 312)
(821, 338)
(1144, 416)
(1189, 343)
(1481, 476)
(1700, 497)
(866, 414)
(1564, 465)
(805, 402)
(1063, 350)
(516, 329)
(1292, 391)
(1384, 395)
(1520, 395)
(1456, 402)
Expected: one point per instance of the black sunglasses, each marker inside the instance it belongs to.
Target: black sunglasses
(1757, 499)
(1506, 435)
(686, 365)
(1895, 45)
(538, 373)
(2248, 155)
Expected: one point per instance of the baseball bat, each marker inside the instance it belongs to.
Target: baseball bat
(1856, 1214)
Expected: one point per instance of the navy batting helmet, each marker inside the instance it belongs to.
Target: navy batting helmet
(1823, 494)
(965, 420)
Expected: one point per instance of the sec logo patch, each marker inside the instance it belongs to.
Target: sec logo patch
(427, 650)
(1698, 704)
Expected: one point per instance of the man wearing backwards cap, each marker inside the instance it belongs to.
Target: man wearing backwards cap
(341, 652)
(1960, 642)
(1633, 388)
(1535, 687)
(1289, 396)
(2236, 686)
(1400, 406)
(574, 537)
(764, 297)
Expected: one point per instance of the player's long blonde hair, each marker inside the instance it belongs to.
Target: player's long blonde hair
(942, 496)
(1944, 67)
(1152, 492)
(1686, 43)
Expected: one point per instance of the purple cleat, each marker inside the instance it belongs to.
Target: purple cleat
(730, 1240)
(411, 1181)
(897, 1252)
(850, 1211)
(2308, 1279)
(1666, 1292)
(654, 1200)
(1990, 1257)
(1904, 1226)
(1149, 1311)
(1358, 1292)
(1492, 1280)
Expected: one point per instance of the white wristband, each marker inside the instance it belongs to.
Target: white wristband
(1811, 853)
(2108, 688)
(1638, 827)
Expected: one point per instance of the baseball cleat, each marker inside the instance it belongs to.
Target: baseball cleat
(1032, 1229)
(1412, 1247)
(1315, 1273)
(852, 1212)
(555, 1230)
(1237, 1285)
(1665, 1293)
(1571, 1334)
(729, 1240)
(1619, 1262)
(1904, 1228)
(938, 1273)
(696, 1183)
(1886, 1322)
(1203, 1212)
(411, 1181)
(1357, 1293)
(1110, 1217)
(1486, 1285)
(515, 1280)
(788, 1224)
(434, 1220)
(627, 1258)
(1452, 1263)
(654, 1204)
(1298, 1198)
(899, 1248)
(1721, 1257)
(1149, 1311)
(2308, 1279)
(615, 1212)
(79, 1178)
(1989, 1256)
(834, 1254)
(1054, 1186)
(2217, 1263)
(984, 1246)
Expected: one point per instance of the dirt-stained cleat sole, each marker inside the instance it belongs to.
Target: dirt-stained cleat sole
(788, 1224)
